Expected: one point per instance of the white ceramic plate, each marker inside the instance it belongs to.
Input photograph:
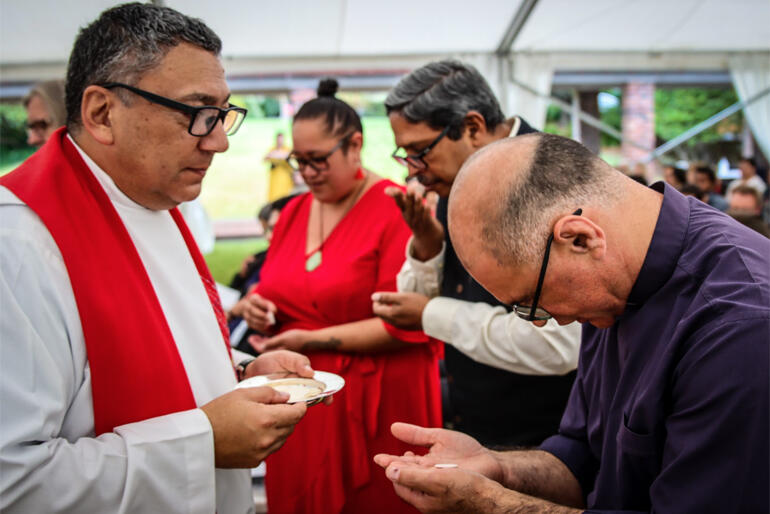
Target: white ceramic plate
(331, 382)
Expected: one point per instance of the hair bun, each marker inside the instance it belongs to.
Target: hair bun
(328, 87)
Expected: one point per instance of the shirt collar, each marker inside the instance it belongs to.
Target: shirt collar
(665, 247)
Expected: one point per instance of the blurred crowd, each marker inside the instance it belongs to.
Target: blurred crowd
(746, 199)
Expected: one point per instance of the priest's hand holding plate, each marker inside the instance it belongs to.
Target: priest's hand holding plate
(249, 424)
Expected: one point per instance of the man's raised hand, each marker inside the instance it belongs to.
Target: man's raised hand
(419, 214)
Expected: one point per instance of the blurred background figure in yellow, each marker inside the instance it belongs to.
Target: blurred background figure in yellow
(45, 111)
(281, 174)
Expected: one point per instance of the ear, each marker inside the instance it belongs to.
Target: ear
(356, 142)
(476, 129)
(579, 234)
(96, 111)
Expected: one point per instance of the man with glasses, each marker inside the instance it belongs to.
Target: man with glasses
(116, 381)
(508, 381)
(670, 411)
(45, 111)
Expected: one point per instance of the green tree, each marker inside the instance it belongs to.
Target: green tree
(677, 110)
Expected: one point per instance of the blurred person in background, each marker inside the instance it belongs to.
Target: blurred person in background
(281, 178)
(690, 173)
(45, 111)
(332, 248)
(248, 276)
(706, 181)
(674, 176)
(749, 177)
(746, 207)
(692, 190)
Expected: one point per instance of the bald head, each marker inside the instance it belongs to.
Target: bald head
(506, 196)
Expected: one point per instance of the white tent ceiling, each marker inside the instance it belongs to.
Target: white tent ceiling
(268, 36)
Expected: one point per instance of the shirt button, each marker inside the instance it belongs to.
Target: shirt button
(459, 288)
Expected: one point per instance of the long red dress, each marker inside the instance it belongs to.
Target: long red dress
(326, 464)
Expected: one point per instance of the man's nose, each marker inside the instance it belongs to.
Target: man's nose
(414, 173)
(216, 140)
(34, 138)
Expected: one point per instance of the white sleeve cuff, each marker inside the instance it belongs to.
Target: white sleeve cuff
(432, 264)
(421, 276)
(438, 317)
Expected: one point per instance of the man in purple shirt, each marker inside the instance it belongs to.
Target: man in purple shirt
(669, 411)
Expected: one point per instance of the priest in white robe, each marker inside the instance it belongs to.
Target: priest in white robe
(116, 381)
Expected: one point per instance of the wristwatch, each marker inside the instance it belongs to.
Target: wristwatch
(240, 368)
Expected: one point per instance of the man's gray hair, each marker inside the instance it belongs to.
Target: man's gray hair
(441, 94)
(562, 177)
(51, 92)
(124, 43)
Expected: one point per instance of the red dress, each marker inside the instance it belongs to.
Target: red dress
(326, 464)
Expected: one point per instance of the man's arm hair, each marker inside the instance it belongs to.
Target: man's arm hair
(540, 474)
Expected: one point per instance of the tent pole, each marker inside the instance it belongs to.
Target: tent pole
(517, 23)
(577, 133)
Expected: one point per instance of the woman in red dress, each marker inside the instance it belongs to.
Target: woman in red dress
(332, 248)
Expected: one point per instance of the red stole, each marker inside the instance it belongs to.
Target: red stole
(136, 370)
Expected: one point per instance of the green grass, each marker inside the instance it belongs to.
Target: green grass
(228, 255)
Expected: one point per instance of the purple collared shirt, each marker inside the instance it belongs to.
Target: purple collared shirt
(670, 408)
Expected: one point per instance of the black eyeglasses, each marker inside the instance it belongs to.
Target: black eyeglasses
(416, 160)
(319, 163)
(37, 125)
(533, 312)
(202, 119)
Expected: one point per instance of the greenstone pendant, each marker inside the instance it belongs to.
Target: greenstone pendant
(313, 261)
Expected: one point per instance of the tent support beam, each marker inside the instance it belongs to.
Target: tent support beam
(517, 23)
(577, 133)
(585, 117)
(700, 127)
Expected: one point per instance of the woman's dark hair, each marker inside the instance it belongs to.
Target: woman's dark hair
(691, 190)
(340, 118)
(275, 205)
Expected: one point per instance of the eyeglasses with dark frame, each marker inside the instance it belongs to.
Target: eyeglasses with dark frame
(416, 160)
(320, 163)
(39, 126)
(533, 312)
(203, 119)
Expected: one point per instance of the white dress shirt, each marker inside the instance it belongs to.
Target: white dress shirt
(485, 333)
(50, 460)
